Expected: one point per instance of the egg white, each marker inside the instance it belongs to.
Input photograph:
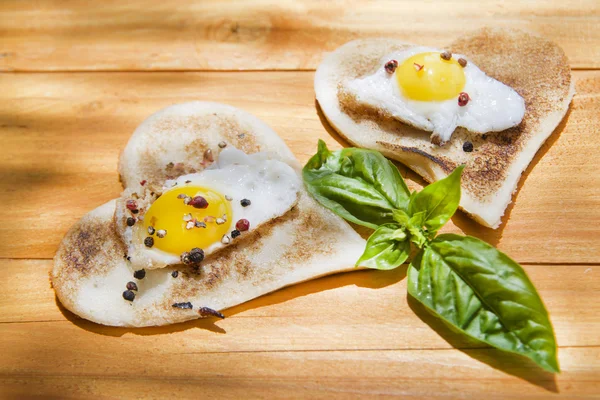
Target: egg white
(493, 106)
(272, 187)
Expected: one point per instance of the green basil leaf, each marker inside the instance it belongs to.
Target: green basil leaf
(352, 200)
(360, 185)
(479, 290)
(387, 248)
(373, 168)
(439, 200)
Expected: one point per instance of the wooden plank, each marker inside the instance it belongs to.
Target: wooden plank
(208, 35)
(359, 310)
(43, 370)
(61, 135)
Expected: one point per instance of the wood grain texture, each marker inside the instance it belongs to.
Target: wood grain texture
(61, 134)
(239, 35)
(371, 308)
(353, 335)
(64, 372)
(350, 335)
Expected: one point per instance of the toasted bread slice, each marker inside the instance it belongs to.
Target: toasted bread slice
(90, 269)
(535, 67)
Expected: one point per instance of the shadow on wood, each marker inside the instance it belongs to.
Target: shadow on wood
(362, 278)
(512, 364)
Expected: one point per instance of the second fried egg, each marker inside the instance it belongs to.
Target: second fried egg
(436, 91)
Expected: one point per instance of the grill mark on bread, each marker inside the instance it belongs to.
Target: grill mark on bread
(90, 248)
(445, 164)
(535, 67)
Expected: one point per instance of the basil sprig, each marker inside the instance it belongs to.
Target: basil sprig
(470, 285)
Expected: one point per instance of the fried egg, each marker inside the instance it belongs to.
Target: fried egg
(198, 214)
(436, 91)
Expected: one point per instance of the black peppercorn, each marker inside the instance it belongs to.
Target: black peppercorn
(467, 147)
(149, 241)
(245, 202)
(128, 295)
(205, 312)
(196, 255)
(140, 274)
(132, 286)
(130, 221)
(175, 274)
(183, 306)
(235, 233)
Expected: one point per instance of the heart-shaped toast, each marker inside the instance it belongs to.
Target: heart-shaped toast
(93, 276)
(537, 69)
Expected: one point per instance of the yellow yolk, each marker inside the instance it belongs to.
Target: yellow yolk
(438, 80)
(168, 213)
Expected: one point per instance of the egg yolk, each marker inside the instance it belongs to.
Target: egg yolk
(168, 213)
(437, 80)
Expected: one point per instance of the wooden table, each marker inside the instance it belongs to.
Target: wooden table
(78, 77)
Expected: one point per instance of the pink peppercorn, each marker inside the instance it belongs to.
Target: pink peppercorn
(198, 202)
(463, 99)
(391, 66)
(131, 205)
(242, 225)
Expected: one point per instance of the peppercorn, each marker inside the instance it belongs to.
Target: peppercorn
(131, 205)
(149, 241)
(446, 55)
(198, 202)
(132, 286)
(139, 274)
(183, 306)
(467, 147)
(130, 221)
(175, 274)
(196, 255)
(242, 225)
(205, 312)
(128, 295)
(391, 66)
(245, 202)
(235, 233)
(208, 155)
(463, 99)
(185, 257)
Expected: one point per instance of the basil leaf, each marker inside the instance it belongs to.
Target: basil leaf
(387, 248)
(486, 295)
(360, 185)
(439, 200)
(352, 200)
